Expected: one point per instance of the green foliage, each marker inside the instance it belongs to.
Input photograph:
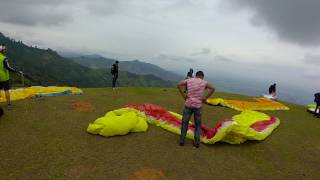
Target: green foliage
(48, 67)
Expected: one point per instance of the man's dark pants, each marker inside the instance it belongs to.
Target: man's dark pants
(114, 80)
(187, 113)
(316, 113)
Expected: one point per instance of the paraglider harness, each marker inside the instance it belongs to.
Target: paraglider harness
(317, 101)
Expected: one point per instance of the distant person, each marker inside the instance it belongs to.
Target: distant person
(4, 74)
(189, 75)
(273, 90)
(115, 72)
(317, 101)
(194, 99)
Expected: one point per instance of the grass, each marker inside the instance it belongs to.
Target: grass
(45, 139)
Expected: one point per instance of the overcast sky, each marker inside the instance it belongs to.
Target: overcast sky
(275, 39)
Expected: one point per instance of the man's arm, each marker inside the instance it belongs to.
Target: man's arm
(9, 68)
(211, 90)
(180, 85)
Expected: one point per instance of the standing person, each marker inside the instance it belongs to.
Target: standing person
(4, 74)
(272, 90)
(194, 99)
(114, 72)
(317, 101)
(189, 75)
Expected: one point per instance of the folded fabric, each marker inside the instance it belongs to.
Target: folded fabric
(259, 104)
(39, 91)
(249, 125)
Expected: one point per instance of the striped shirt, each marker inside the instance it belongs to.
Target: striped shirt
(196, 87)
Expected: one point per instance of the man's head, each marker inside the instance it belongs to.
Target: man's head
(191, 70)
(117, 62)
(2, 48)
(200, 74)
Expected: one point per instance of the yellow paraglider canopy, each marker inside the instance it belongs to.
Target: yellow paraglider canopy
(23, 93)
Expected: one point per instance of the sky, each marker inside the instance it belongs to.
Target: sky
(270, 40)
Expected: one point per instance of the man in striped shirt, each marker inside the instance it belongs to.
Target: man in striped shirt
(194, 99)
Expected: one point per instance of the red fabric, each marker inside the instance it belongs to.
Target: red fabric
(161, 114)
(262, 125)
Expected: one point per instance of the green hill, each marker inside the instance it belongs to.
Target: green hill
(48, 67)
(136, 66)
(46, 139)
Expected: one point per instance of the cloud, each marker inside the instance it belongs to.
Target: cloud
(222, 59)
(312, 74)
(204, 51)
(295, 21)
(105, 8)
(312, 59)
(166, 57)
(59, 12)
(35, 12)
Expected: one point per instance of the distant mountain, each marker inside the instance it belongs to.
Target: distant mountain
(48, 67)
(136, 66)
(69, 54)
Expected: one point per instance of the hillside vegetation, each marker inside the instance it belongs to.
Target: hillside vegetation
(48, 67)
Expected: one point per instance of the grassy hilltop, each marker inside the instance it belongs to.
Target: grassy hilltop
(46, 138)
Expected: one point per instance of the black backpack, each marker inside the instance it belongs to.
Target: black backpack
(112, 69)
(317, 98)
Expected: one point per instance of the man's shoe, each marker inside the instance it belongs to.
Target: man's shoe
(196, 145)
(8, 107)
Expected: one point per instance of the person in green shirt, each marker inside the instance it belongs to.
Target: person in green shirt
(5, 68)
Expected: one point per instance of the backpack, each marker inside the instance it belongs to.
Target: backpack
(112, 69)
(317, 98)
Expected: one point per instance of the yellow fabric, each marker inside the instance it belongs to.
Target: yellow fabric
(221, 133)
(259, 104)
(247, 117)
(119, 122)
(311, 107)
(125, 120)
(24, 93)
(242, 131)
(176, 115)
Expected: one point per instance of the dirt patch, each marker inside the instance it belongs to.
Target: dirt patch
(147, 174)
(82, 106)
(80, 171)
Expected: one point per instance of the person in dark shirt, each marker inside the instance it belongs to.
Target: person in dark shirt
(115, 72)
(272, 90)
(5, 68)
(189, 75)
(317, 101)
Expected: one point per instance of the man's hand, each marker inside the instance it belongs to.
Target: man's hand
(204, 99)
(180, 85)
(211, 89)
(185, 96)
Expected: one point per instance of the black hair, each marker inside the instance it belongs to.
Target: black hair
(200, 73)
(117, 62)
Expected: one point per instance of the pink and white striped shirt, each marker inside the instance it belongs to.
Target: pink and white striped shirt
(196, 87)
